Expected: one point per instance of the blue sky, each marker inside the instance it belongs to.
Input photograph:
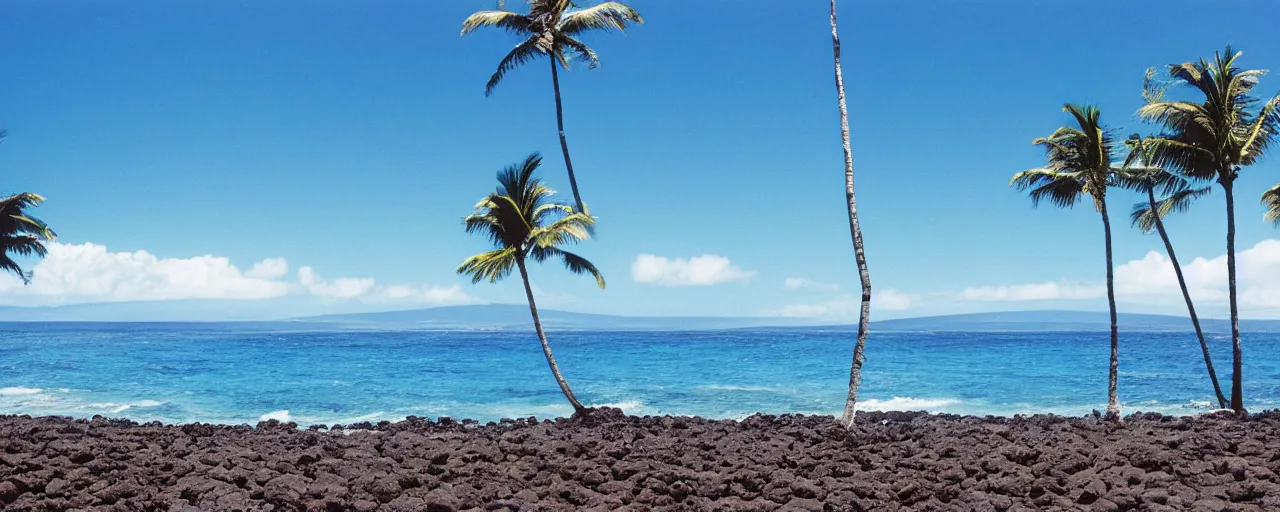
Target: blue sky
(352, 137)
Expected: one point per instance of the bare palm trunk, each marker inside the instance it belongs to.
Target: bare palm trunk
(864, 315)
(1113, 399)
(1186, 295)
(546, 348)
(1237, 393)
(564, 144)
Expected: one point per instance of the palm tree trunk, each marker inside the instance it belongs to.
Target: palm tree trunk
(1113, 399)
(1186, 295)
(859, 255)
(546, 348)
(564, 144)
(1237, 393)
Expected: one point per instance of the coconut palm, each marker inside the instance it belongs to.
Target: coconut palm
(855, 230)
(21, 234)
(524, 223)
(552, 28)
(1214, 140)
(1079, 164)
(1148, 216)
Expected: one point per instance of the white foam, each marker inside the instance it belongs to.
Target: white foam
(282, 416)
(630, 407)
(899, 403)
(19, 390)
(148, 403)
(732, 387)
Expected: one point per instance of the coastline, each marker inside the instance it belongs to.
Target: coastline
(611, 461)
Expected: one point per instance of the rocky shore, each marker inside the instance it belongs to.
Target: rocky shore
(891, 461)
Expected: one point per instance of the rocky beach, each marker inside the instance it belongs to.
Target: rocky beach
(891, 461)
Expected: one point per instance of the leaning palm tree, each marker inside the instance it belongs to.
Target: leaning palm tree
(1079, 164)
(855, 230)
(21, 234)
(1214, 140)
(523, 223)
(1148, 216)
(552, 28)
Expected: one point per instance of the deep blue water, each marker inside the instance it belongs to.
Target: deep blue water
(228, 374)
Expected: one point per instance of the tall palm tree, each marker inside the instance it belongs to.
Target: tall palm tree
(1149, 216)
(1079, 164)
(1214, 140)
(551, 28)
(524, 223)
(20, 233)
(855, 230)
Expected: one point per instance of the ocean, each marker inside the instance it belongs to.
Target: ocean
(234, 374)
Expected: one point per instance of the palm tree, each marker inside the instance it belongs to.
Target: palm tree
(1149, 216)
(1079, 164)
(1214, 140)
(552, 27)
(20, 233)
(855, 229)
(523, 223)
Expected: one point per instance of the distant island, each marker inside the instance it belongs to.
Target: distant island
(504, 317)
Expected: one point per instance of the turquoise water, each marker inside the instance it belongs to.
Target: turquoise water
(236, 374)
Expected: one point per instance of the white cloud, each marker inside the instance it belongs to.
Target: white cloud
(89, 273)
(1152, 278)
(802, 283)
(702, 270)
(272, 268)
(847, 307)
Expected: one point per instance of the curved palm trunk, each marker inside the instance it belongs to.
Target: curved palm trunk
(1237, 393)
(546, 348)
(564, 144)
(864, 315)
(1113, 400)
(1186, 295)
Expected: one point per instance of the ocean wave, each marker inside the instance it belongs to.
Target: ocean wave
(735, 387)
(282, 416)
(19, 390)
(899, 403)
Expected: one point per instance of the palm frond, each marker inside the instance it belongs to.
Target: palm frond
(509, 21)
(1271, 199)
(522, 54)
(607, 16)
(1263, 132)
(570, 229)
(581, 51)
(574, 263)
(492, 266)
(1144, 217)
(8, 265)
(1062, 189)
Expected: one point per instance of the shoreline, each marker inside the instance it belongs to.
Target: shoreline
(611, 461)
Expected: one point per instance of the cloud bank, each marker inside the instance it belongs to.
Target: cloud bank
(90, 273)
(1152, 278)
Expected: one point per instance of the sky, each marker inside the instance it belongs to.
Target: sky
(307, 157)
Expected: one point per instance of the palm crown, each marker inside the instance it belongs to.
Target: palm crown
(1139, 174)
(551, 27)
(20, 233)
(1215, 138)
(523, 222)
(1078, 162)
